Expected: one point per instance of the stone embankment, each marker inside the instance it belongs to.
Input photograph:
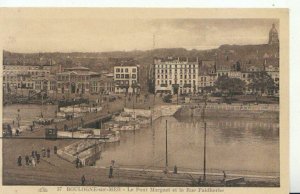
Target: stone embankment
(269, 111)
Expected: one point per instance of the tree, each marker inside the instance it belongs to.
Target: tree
(260, 83)
(230, 86)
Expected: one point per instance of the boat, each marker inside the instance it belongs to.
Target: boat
(130, 126)
(43, 121)
(106, 135)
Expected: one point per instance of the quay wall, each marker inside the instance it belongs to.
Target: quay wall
(231, 110)
(269, 111)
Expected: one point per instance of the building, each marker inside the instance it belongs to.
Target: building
(172, 75)
(103, 84)
(207, 75)
(126, 79)
(75, 80)
(273, 36)
(16, 77)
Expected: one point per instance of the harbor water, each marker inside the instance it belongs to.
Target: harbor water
(235, 145)
(240, 146)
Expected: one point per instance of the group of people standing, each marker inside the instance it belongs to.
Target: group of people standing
(34, 158)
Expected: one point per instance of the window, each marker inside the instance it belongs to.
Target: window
(134, 70)
(118, 76)
(126, 70)
(134, 76)
(122, 70)
(122, 75)
(127, 75)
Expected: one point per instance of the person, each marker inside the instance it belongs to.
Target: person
(20, 161)
(55, 149)
(110, 172)
(33, 162)
(224, 176)
(31, 128)
(82, 180)
(13, 122)
(175, 169)
(77, 162)
(27, 160)
(38, 158)
(65, 127)
(32, 154)
(17, 132)
(44, 152)
(48, 153)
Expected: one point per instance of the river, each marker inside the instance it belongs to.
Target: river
(241, 146)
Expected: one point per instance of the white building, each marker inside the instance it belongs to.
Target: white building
(126, 79)
(172, 73)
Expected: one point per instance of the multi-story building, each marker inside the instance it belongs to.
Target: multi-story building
(23, 76)
(103, 84)
(75, 80)
(173, 75)
(126, 79)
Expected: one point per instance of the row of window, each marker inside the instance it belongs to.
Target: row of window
(170, 71)
(175, 77)
(180, 82)
(172, 66)
(126, 76)
(126, 70)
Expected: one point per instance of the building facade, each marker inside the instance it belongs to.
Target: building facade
(75, 80)
(176, 75)
(126, 79)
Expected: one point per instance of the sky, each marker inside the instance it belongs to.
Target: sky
(70, 34)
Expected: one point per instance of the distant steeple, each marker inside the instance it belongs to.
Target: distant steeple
(273, 36)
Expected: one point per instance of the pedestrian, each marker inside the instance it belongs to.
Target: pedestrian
(17, 132)
(32, 154)
(33, 162)
(224, 176)
(110, 172)
(48, 153)
(44, 152)
(13, 122)
(175, 169)
(27, 160)
(82, 180)
(38, 158)
(55, 149)
(35, 153)
(31, 128)
(77, 162)
(20, 161)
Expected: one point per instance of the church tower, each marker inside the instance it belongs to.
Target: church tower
(273, 36)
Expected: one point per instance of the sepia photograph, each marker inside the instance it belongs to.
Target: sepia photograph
(106, 99)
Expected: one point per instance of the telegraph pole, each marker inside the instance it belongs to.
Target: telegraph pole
(166, 146)
(204, 158)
